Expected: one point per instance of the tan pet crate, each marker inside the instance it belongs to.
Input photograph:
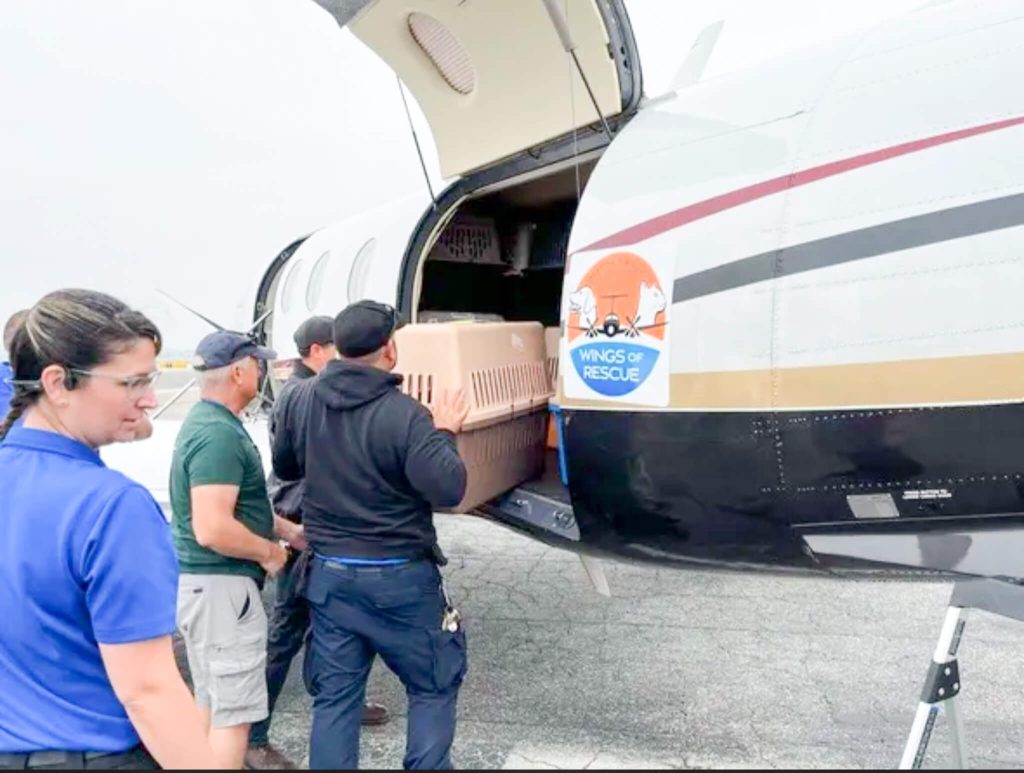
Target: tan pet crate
(552, 336)
(502, 368)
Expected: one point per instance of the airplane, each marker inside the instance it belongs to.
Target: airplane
(817, 260)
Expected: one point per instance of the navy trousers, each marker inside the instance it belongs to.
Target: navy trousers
(287, 627)
(391, 611)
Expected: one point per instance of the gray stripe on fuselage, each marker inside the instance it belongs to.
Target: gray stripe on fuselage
(932, 228)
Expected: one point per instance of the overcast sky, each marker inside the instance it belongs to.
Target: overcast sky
(181, 144)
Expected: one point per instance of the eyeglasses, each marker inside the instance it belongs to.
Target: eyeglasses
(137, 386)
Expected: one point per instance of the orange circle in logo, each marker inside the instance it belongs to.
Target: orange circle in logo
(619, 293)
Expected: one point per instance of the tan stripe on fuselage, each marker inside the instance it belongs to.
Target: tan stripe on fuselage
(990, 378)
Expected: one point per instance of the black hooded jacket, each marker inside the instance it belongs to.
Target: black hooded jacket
(374, 465)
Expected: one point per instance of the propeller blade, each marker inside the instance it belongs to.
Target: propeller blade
(189, 308)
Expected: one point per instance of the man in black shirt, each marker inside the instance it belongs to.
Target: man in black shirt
(289, 619)
(376, 464)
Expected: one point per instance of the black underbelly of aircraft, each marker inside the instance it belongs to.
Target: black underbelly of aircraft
(924, 491)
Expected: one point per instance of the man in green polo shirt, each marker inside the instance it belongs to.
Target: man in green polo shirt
(225, 534)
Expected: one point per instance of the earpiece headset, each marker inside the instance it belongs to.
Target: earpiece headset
(70, 380)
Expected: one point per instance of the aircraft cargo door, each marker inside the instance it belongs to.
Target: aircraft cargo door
(493, 78)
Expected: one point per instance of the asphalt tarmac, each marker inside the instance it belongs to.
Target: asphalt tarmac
(687, 669)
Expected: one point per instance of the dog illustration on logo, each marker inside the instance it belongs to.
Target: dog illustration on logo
(584, 302)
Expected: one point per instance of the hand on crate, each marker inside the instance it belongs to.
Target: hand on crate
(450, 410)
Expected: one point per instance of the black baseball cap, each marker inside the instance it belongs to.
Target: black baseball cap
(225, 347)
(364, 327)
(315, 330)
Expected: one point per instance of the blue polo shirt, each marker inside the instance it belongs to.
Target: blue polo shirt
(6, 390)
(85, 558)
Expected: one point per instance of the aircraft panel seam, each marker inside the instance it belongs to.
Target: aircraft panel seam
(907, 74)
(949, 269)
(778, 329)
(675, 146)
(783, 410)
(939, 38)
(832, 346)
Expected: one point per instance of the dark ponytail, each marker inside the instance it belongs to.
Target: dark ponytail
(77, 329)
(20, 402)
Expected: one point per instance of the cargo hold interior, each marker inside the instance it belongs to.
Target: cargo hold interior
(500, 258)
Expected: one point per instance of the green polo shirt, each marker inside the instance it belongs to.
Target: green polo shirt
(213, 448)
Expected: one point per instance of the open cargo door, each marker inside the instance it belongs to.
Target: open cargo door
(493, 77)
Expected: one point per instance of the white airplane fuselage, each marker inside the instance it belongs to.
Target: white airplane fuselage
(791, 326)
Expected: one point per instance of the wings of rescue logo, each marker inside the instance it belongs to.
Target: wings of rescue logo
(617, 328)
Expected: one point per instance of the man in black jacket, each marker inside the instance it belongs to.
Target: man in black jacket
(289, 618)
(376, 464)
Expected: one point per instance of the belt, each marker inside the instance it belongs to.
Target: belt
(433, 554)
(352, 561)
(59, 760)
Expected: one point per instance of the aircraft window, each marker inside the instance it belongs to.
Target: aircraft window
(316, 281)
(289, 290)
(360, 271)
(444, 50)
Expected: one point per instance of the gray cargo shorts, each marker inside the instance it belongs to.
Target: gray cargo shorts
(222, 622)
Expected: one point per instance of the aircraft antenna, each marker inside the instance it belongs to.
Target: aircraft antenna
(416, 140)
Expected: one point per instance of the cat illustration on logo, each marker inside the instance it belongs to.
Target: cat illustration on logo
(651, 304)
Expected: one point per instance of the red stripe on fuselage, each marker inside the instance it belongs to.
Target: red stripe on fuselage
(675, 219)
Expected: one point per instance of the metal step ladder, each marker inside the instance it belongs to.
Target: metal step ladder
(942, 685)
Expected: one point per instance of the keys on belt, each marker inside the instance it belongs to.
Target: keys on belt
(451, 618)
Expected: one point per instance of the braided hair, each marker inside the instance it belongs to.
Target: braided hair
(77, 329)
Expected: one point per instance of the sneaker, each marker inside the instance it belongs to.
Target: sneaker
(375, 714)
(266, 757)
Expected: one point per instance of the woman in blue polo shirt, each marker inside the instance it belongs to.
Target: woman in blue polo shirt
(88, 575)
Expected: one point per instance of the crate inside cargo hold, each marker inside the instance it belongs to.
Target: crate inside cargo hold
(552, 336)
